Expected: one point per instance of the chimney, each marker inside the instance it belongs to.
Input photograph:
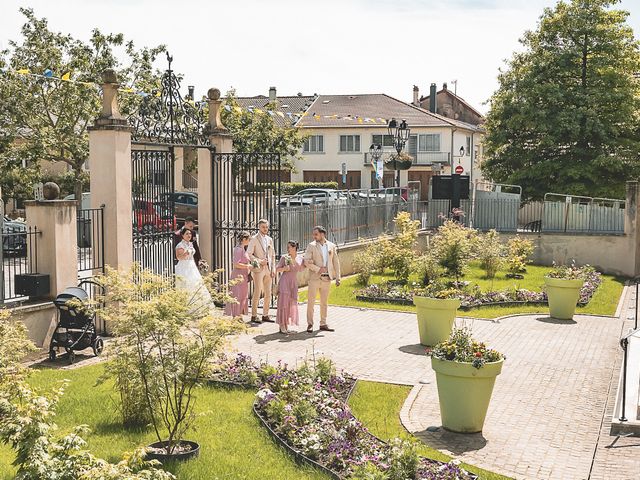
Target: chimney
(191, 91)
(444, 86)
(272, 94)
(433, 100)
(416, 96)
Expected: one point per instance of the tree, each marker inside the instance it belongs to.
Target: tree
(565, 117)
(258, 132)
(47, 119)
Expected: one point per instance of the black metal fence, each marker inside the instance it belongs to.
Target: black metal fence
(90, 224)
(19, 256)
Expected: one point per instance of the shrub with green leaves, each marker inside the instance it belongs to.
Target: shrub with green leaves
(454, 246)
(519, 251)
(427, 268)
(399, 253)
(491, 253)
(368, 261)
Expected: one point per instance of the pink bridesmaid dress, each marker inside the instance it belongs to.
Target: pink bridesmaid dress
(288, 293)
(239, 291)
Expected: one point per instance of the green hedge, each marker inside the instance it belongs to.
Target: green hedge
(291, 188)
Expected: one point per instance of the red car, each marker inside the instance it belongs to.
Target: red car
(151, 217)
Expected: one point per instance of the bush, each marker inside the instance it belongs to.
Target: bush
(291, 188)
(491, 253)
(368, 261)
(427, 268)
(67, 181)
(399, 253)
(171, 345)
(453, 245)
(518, 252)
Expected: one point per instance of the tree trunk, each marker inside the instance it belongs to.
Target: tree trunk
(77, 191)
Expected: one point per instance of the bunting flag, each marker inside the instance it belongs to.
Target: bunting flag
(48, 74)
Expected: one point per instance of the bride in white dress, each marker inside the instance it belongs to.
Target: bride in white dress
(188, 276)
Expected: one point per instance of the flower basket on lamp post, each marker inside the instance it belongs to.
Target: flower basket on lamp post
(399, 161)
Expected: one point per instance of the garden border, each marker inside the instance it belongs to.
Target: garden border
(297, 455)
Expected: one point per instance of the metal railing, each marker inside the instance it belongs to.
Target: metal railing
(624, 344)
(90, 223)
(189, 181)
(419, 158)
(19, 255)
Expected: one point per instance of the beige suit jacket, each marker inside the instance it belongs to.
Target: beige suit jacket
(256, 251)
(314, 260)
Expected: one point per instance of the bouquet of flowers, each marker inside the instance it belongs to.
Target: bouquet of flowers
(288, 261)
(255, 264)
(203, 266)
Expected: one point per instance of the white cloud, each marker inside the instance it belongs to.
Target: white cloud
(329, 46)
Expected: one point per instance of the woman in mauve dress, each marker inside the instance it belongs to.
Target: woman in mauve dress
(239, 274)
(290, 264)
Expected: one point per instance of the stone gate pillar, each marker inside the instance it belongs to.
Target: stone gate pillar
(110, 166)
(220, 139)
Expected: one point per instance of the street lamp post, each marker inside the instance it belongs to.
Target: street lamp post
(375, 152)
(399, 132)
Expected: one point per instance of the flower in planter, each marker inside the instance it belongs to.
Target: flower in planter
(571, 272)
(462, 348)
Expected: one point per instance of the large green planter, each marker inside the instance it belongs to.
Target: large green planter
(435, 318)
(464, 393)
(563, 296)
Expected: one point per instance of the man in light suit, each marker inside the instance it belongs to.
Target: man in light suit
(321, 258)
(262, 251)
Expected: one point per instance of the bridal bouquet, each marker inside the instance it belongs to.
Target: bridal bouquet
(203, 266)
(255, 264)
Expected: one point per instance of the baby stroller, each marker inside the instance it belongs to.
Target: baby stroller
(76, 329)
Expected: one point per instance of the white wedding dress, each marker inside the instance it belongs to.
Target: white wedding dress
(188, 278)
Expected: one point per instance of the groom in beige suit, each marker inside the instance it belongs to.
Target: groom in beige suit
(321, 258)
(261, 250)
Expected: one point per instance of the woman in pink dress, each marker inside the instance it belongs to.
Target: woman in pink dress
(289, 265)
(239, 274)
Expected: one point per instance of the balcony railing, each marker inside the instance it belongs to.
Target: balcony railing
(419, 158)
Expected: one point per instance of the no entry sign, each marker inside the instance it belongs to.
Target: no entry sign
(459, 169)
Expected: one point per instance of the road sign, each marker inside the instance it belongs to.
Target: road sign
(459, 169)
(343, 171)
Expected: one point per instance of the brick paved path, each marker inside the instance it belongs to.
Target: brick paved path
(546, 415)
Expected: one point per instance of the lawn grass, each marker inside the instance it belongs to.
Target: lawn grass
(234, 445)
(603, 302)
(378, 406)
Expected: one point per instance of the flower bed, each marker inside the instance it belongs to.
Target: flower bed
(474, 297)
(307, 410)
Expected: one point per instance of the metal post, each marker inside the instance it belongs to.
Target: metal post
(636, 314)
(624, 343)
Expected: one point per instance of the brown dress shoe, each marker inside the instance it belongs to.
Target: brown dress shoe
(310, 329)
(327, 328)
(267, 318)
(255, 319)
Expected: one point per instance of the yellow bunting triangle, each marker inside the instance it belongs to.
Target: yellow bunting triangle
(23, 71)
(66, 77)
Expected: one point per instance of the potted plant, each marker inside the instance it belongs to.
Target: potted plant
(169, 344)
(563, 284)
(436, 310)
(399, 161)
(466, 371)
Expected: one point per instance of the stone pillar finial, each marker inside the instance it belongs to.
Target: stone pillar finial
(215, 106)
(110, 109)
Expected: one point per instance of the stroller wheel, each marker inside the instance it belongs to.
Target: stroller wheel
(52, 355)
(72, 356)
(98, 346)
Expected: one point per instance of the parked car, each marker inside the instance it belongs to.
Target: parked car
(85, 204)
(393, 192)
(14, 237)
(150, 217)
(311, 196)
(185, 204)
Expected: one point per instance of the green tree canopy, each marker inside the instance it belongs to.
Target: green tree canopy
(566, 115)
(47, 119)
(259, 132)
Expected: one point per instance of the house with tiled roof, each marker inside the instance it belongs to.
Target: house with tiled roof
(341, 128)
(448, 104)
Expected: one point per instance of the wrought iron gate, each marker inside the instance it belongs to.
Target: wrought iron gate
(153, 215)
(246, 187)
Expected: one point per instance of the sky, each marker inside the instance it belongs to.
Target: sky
(319, 46)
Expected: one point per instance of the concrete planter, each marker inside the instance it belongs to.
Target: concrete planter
(464, 393)
(563, 296)
(435, 318)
